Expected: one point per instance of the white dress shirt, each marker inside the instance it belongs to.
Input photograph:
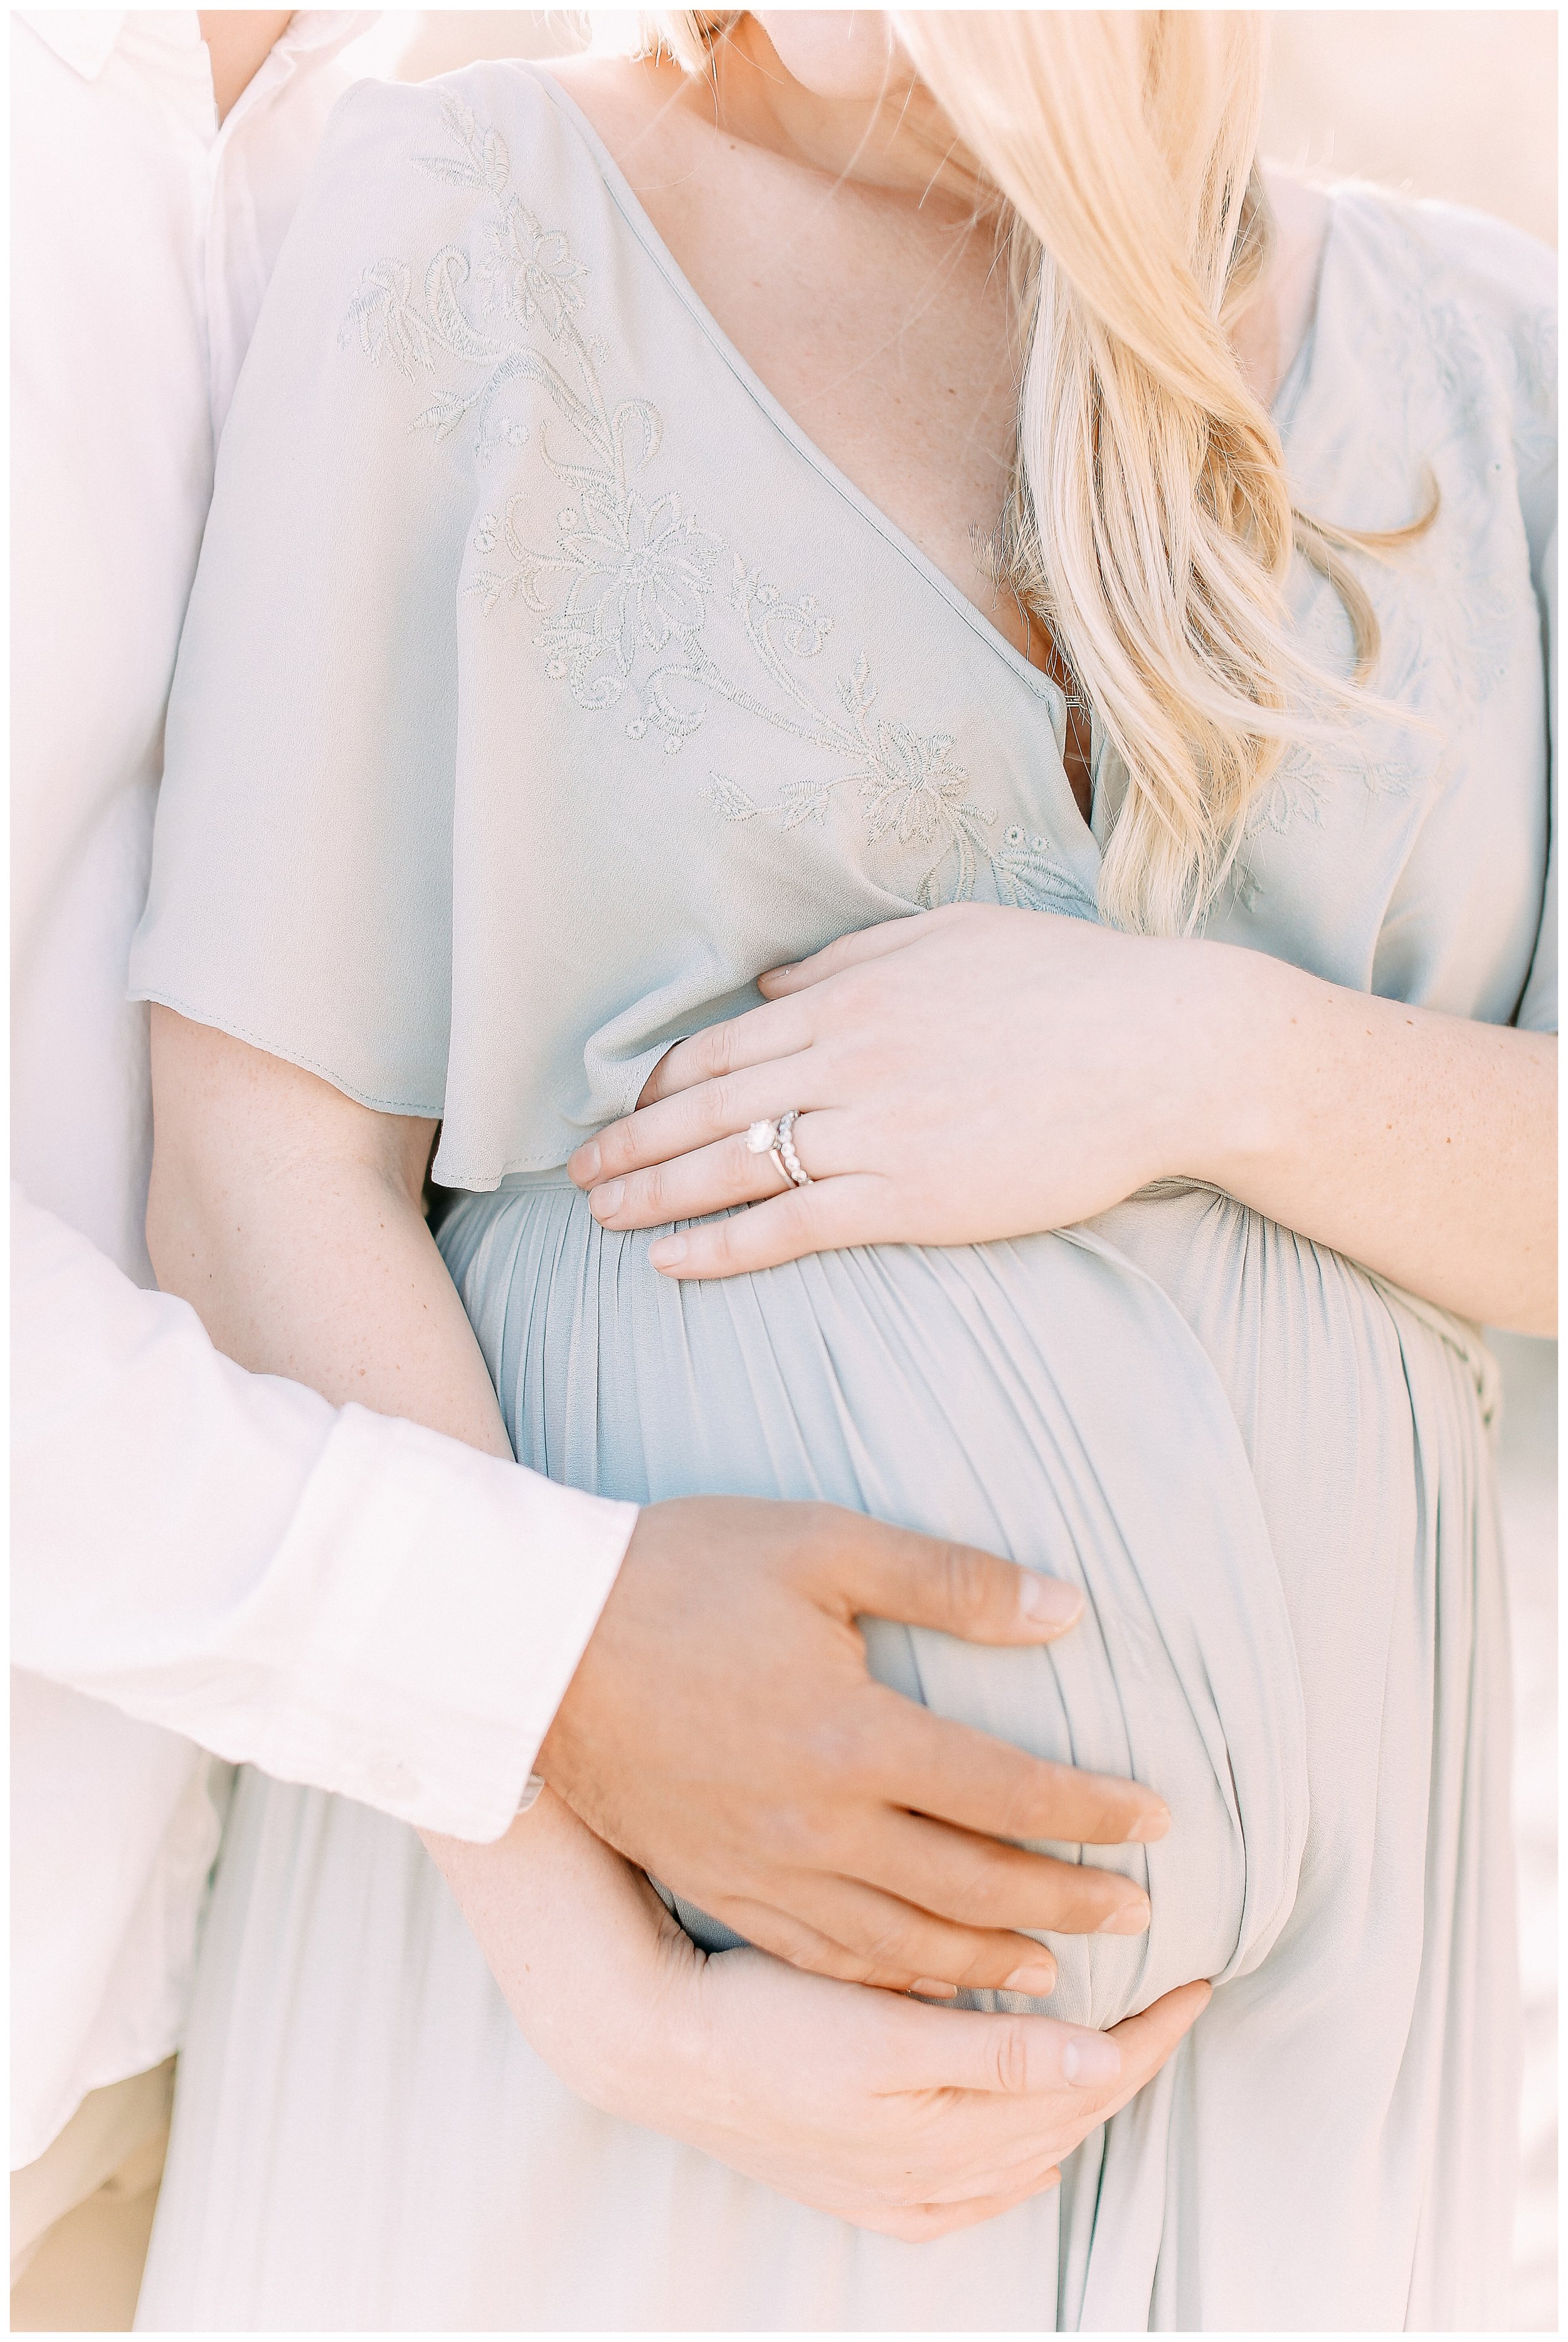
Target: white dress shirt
(203, 1560)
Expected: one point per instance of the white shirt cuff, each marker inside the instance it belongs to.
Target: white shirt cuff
(452, 1598)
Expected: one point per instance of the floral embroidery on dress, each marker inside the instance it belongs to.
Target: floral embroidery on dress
(627, 591)
(1294, 791)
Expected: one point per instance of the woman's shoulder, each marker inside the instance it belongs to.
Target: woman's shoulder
(1436, 329)
(437, 210)
(1478, 292)
(389, 117)
(395, 150)
(433, 233)
(496, 106)
(1505, 279)
(1503, 267)
(459, 129)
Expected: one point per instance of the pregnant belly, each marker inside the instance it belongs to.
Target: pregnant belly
(1050, 1399)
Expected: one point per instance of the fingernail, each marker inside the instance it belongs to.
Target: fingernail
(1090, 2061)
(1035, 1977)
(1046, 1602)
(587, 1161)
(668, 1252)
(788, 968)
(1148, 1827)
(606, 1201)
(1128, 1919)
(930, 1989)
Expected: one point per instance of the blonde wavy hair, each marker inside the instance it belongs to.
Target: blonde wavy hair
(1149, 523)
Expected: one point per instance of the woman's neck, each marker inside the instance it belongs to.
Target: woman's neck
(895, 139)
(892, 136)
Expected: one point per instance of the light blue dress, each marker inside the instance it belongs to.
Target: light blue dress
(542, 684)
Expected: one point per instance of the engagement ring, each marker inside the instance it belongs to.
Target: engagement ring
(772, 1139)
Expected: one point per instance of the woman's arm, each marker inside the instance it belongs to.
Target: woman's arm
(1421, 1144)
(290, 1219)
(975, 1073)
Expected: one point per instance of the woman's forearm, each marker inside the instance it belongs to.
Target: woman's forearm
(1420, 1144)
(978, 1072)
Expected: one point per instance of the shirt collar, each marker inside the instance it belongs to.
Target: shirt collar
(82, 38)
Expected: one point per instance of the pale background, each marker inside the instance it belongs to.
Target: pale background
(1460, 104)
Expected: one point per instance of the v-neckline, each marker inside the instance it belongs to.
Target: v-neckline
(1287, 400)
(633, 210)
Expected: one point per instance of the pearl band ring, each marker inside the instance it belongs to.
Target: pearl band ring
(772, 1139)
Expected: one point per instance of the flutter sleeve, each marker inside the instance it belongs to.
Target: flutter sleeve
(1537, 1011)
(301, 888)
(1525, 279)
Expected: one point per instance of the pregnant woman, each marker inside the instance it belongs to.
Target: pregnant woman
(906, 492)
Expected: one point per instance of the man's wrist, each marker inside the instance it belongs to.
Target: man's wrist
(488, 1581)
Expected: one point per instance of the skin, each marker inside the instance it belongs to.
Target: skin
(239, 42)
(1421, 1144)
(909, 2120)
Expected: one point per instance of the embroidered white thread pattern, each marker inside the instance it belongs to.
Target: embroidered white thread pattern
(625, 591)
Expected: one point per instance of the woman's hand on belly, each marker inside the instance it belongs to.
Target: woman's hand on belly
(910, 2120)
(977, 1073)
(959, 1076)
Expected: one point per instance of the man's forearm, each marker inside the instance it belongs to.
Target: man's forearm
(340, 1598)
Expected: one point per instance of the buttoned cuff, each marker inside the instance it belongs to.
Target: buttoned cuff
(444, 1600)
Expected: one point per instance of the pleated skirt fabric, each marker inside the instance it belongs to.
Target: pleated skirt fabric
(1271, 1475)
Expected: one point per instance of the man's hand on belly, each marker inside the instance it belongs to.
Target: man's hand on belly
(724, 1731)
